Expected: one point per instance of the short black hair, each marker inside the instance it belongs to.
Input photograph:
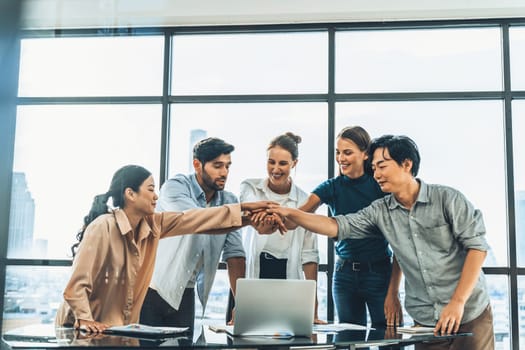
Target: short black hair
(400, 149)
(210, 148)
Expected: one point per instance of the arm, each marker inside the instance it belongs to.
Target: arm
(310, 260)
(310, 273)
(214, 220)
(312, 203)
(86, 267)
(450, 318)
(236, 270)
(393, 309)
(313, 222)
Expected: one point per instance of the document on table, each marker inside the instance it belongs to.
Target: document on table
(336, 327)
(136, 329)
(415, 330)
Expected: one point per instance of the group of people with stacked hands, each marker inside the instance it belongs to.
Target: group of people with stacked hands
(386, 222)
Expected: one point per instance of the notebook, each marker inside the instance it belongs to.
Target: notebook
(271, 307)
(138, 330)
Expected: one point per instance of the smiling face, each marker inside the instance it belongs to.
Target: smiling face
(145, 200)
(350, 158)
(278, 165)
(391, 176)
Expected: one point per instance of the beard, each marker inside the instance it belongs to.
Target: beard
(212, 183)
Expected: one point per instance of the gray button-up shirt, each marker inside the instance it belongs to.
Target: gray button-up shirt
(178, 257)
(430, 242)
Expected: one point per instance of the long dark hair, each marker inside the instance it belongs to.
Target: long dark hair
(129, 176)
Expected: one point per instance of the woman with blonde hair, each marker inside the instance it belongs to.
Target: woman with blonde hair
(273, 255)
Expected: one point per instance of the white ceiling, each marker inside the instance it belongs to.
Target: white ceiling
(51, 14)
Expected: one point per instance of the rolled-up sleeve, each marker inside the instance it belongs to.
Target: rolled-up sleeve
(467, 222)
(310, 251)
(233, 247)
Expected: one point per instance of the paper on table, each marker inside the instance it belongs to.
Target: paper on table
(144, 330)
(415, 330)
(336, 327)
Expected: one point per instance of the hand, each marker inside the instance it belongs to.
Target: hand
(91, 326)
(391, 333)
(450, 318)
(393, 310)
(265, 223)
(254, 207)
(318, 321)
(277, 223)
(230, 322)
(277, 209)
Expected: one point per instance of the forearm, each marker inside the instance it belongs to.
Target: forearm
(469, 275)
(236, 269)
(395, 278)
(313, 222)
(310, 273)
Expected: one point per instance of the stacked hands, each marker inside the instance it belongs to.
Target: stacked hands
(266, 216)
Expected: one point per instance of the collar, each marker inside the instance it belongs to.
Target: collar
(422, 197)
(199, 192)
(125, 227)
(262, 185)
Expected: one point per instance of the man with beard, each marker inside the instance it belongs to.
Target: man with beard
(189, 262)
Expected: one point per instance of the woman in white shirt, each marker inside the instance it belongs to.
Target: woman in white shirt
(272, 255)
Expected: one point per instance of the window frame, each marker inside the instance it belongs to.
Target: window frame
(512, 271)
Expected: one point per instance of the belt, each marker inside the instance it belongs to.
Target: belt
(268, 256)
(365, 266)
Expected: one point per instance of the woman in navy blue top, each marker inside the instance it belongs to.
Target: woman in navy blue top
(363, 268)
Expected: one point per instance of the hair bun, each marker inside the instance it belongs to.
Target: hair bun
(294, 137)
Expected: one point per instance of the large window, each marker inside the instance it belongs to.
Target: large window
(91, 101)
(418, 60)
(273, 63)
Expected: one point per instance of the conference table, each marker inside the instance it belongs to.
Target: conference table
(47, 337)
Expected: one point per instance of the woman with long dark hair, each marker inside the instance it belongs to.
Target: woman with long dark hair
(115, 254)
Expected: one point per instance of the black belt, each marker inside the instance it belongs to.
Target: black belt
(365, 266)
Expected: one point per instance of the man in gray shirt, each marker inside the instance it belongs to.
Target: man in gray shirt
(437, 236)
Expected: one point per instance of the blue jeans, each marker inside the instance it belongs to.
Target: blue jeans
(357, 286)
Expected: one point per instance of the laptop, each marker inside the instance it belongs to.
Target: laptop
(273, 307)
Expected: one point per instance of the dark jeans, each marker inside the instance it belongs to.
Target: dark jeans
(157, 312)
(271, 267)
(482, 329)
(357, 286)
